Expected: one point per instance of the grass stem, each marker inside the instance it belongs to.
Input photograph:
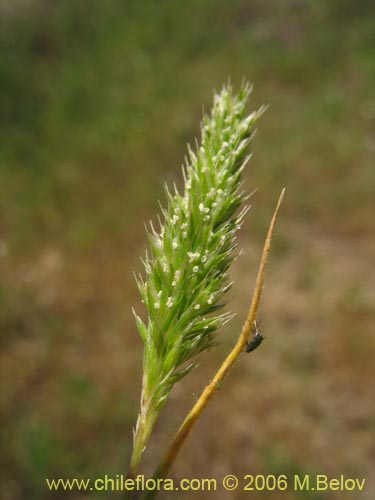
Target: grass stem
(216, 382)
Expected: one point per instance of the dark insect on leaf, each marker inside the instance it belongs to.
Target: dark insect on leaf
(256, 340)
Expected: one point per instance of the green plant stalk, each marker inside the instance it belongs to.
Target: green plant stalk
(145, 424)
(216, 382)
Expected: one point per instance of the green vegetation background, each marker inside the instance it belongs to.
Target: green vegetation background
(98, 100)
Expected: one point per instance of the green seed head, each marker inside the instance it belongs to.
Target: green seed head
(190, 253)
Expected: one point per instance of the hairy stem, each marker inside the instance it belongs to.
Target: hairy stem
(145, 424)
(216, 382)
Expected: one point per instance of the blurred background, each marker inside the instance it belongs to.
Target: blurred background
(98, 101)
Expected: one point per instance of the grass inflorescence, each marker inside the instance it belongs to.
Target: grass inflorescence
(190, 253)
